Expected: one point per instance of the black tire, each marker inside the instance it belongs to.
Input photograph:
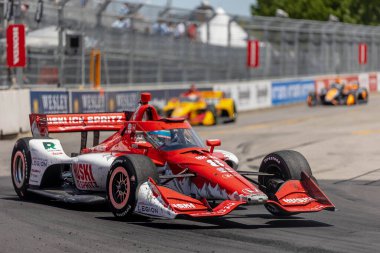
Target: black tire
(311, 99)
(285, 165)
(20, 167)
(133, 170)
(212, 109)
(361, 99)
(235, 113)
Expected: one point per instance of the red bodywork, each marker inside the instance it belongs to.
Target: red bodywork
(214, 178)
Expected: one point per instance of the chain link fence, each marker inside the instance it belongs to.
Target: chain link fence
(145, 44)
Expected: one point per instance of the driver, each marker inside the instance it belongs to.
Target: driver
(161, 137)
(165, 137)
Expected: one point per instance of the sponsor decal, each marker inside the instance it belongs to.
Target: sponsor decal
(49, 146)
(215, 163)
(226, 208)
(148, 209)
(227, 176)
(200, 157)
(297, 200)
(89, 119)
(108, 156)
(184, 206)
(84, 176)
(225, 170)
(249, 191)
(39, 162)
(272, 158)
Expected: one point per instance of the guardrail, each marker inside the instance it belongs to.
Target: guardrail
(15, 105)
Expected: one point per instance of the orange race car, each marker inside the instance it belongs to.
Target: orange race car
(339, 94)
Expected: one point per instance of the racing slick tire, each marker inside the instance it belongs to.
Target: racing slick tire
(235, 113)
(211, 118)
(363, 97)
(311, 99)
(20, 167)
(126, 175)
(285, 165)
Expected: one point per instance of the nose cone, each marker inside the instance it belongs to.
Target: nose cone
(182, 111)
(216, 180)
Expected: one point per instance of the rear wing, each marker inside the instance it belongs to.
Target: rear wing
(212, 94)
(43, 124)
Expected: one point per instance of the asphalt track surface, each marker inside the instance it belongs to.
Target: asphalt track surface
(340, 143)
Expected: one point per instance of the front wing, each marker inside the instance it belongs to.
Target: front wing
(159, 201)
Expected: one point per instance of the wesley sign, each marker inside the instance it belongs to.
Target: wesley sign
(16, 51)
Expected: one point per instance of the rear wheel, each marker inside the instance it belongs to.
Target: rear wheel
(211, 117)
(126, 175)
(285, 165)
(235, 113)
(311, 100)
(363, 96)
(20, 167)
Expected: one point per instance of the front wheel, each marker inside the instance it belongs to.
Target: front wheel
(126, 175)
(20, 167)
(285, 165)
(311, 100)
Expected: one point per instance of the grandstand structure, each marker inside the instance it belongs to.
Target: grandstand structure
(148, 44)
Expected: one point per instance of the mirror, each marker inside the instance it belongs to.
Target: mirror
(213, 143)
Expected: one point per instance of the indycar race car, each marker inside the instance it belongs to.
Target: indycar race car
(339, 94)
(202, 107)
(156, 167)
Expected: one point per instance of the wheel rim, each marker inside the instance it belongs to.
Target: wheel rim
(277, 174)
(19, 169)
(119, 188)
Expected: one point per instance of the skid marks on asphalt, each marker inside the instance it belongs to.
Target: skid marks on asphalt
(370, 178)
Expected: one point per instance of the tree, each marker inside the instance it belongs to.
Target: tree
(365, 12)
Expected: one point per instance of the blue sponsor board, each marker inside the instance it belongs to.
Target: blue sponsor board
(49, 102)
(291, 91)
(88, 101)
(119, 101)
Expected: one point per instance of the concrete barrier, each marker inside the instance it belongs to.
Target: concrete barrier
(15, 105)
(14, 110)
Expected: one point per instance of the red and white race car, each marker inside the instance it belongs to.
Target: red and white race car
(157, 167)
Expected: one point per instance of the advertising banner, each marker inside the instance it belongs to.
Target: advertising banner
(287, 92)
(248, 95)
(88, 101)
(364, 80)
(373, 80)
(119, 101)
(49, 102)
(16, 50)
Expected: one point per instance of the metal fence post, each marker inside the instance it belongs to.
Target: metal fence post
(61, 50)
(131, 64)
